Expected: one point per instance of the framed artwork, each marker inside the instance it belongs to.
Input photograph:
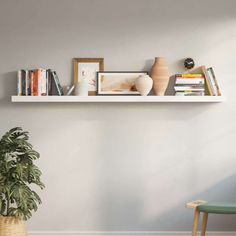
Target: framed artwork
(117, 83)
(86, 69)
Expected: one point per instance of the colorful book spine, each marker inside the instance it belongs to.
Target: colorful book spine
(214, 82)
(43, 82)
(194, 75)
(208, 82)
(57, 83)
(26, 82)
(31, 75)
(190, 93)
(180, 80)
(23, 83)
(48, 82)
(190, 85)
(29, 83)
(35, 83)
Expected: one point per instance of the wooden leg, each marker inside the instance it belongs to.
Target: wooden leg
(204, 224)
(195, 222)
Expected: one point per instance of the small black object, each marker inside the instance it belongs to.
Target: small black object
(189, 63)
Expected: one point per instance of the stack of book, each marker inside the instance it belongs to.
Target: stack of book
(189, 85)
(38, 82)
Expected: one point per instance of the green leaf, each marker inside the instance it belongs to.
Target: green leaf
(17, 172)
(2, 206)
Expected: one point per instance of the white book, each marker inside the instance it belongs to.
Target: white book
(189, 88)
(19, 82)
(43, 76)
(197, 93)
(42, 83)
(213, 84)
(190, 81)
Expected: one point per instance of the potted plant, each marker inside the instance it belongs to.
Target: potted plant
(17, 173)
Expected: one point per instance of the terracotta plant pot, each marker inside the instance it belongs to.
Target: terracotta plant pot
(144, 84)
(160, 76)
(12, 226)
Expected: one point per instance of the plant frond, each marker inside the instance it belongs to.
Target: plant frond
(17, 172)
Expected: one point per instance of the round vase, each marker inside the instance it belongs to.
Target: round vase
(160, 76)
(144, 84)
(12, 226)
(81, 89)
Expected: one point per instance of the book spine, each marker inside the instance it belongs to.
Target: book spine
(29, 83)
(19, 81)
(26, 82)
(217, 88)
(213, 86)
(189, 81)
(23, 83)
(57, 82)
(50, 81)
(47, 82)
(190, 75)
(43, 80)
(189, 88)
(32, 83)
(189, 94)
(35, 83)
(39, 79)
(207, 83)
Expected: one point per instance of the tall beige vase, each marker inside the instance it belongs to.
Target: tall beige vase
(12, 226)
(160, 76)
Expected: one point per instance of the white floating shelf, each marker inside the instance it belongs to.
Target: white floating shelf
(138, 99)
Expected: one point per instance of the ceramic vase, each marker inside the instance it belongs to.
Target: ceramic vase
(81, 89)
(160, 76)
(144, 84)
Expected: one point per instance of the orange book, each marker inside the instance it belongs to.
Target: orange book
(35, 82)
(191, 76)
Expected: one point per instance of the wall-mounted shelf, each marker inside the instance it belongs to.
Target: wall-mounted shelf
(137, 99)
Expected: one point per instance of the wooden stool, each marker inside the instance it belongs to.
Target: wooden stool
(206, 208)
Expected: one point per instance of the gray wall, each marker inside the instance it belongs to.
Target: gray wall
(124, 166)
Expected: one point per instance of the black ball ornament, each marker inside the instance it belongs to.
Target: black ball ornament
(189, 63)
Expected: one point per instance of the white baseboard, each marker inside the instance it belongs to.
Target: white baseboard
(126, 233)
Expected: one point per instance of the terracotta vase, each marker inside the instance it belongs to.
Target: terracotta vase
(144, 84)
(160, 76)
(12, 226)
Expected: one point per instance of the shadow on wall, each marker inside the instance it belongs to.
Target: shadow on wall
(8, 87)
(177, 219)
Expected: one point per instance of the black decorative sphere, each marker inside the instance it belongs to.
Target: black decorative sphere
(189, 63)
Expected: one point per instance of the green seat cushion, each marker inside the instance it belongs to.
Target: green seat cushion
(218, 208)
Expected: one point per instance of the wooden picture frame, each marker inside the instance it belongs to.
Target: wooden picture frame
(89, 66)
(118, 82)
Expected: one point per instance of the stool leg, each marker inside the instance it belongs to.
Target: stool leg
(195, 222)
(204, 224)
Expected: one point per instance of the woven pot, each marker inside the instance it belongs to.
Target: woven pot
(12, 226)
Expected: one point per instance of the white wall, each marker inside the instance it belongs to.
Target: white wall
(124, 166)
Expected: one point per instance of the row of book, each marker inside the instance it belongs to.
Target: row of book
(197, 84)
(38, 82)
